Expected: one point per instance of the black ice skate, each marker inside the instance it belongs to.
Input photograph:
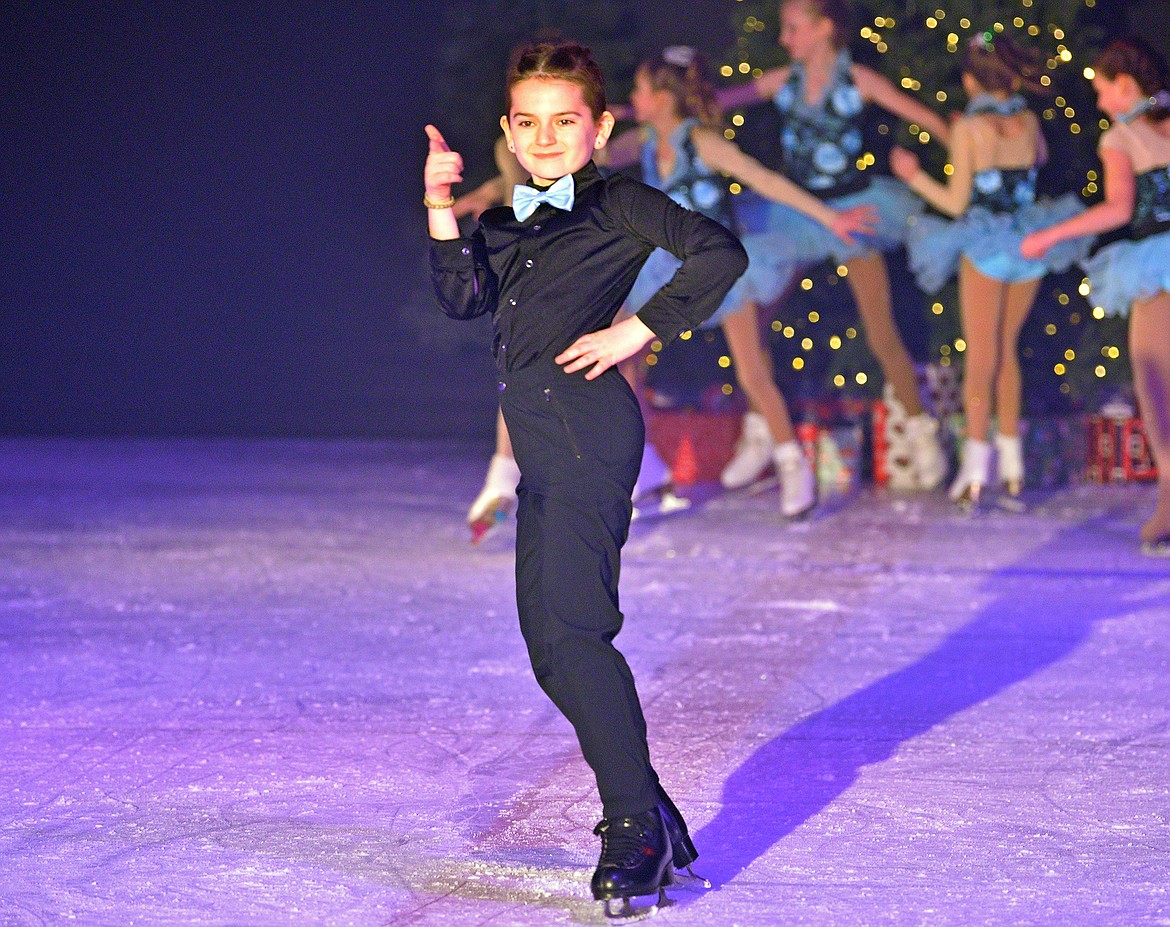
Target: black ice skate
(635, 860)
(682, 848)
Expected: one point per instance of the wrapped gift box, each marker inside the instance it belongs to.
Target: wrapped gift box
(1117, 450)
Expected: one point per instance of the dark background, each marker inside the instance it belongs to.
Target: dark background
(211, 218)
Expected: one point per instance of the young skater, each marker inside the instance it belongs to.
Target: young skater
(1132, 276)
(996, 149)
(553, 271)
(685, 154)
(822, 95)
(497, 497)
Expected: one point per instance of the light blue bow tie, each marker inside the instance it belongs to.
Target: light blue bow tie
(525, 199)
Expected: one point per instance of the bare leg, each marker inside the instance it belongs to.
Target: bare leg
(798, 482)
(753, 371)
(1017, 304)
(871, 291)
(1149, 348)
(498, 495)
(981, 306)
(503, 440)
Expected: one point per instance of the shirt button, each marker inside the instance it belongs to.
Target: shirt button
(536, 228)
(528, 263)
(511, 302)
(466, 250)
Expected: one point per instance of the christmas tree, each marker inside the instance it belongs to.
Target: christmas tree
(1073, 356)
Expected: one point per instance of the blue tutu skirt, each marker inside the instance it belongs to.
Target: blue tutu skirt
(893, 202)
(772, 263)
(1128, 270)
(991, 240)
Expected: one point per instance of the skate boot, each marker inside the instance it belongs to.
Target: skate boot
(635, 860)
(1158, 546)
(753, 453)
(496, 499)
(974, 471)
(929, 462)
(654, 492)
(682, 848)
(1155, 533)
(1010, 463)
(798, 482)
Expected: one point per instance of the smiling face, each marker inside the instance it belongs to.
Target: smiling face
(804, 33)
(551, 128)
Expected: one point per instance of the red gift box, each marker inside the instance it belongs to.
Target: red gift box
(1118, 451)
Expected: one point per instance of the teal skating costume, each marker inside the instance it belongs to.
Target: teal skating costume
(1002, 212)
(1137, 267)
(822, 143)
(772, 261)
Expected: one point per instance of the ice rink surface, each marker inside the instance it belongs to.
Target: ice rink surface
(270, 684)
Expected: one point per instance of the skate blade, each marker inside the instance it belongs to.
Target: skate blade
(492, 518)
(800, 515)
(968, 503)
(1158, 548)
(762, 485)
(1013, 504)
(690, 880)
(624, 910)
(665, 503)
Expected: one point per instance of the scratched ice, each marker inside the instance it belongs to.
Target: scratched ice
(269, 683)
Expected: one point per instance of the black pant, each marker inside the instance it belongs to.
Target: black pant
(579, 443)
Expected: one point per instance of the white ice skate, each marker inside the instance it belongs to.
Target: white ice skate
(974, 473)
(798, 482)
(496, 499)
(654, 493)
(1009, 457)
(753, 453)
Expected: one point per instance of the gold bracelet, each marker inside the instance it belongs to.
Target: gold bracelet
(438, 204)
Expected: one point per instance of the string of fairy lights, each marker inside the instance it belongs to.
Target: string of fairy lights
(939, 32)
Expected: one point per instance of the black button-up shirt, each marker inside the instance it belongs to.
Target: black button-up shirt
(559, 275)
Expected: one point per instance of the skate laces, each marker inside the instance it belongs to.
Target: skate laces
(793, 466)
(623, 845)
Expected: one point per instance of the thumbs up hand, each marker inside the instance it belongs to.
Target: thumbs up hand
(443, 168)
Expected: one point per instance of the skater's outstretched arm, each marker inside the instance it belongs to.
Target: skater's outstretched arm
(756, 90)
(723, 155)
(878, 89)
(1111, 213)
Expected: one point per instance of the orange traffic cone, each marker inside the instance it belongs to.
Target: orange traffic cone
(686, 462)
